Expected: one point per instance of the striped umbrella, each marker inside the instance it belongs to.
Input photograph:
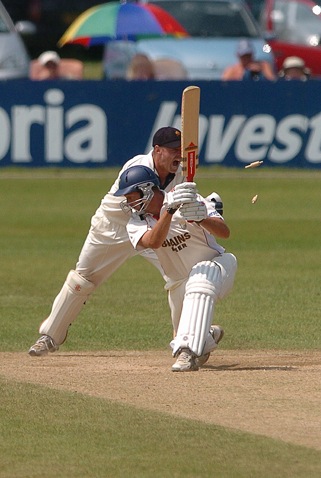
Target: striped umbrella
(121, 21)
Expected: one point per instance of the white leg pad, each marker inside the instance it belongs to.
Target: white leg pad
(202, 290)
(228, 265)
(66, 307)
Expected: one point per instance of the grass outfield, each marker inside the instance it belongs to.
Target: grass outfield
(275, 305)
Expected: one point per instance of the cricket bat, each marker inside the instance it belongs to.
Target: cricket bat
(190, 117)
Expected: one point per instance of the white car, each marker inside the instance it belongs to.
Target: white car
(215, 28)
(14, 59)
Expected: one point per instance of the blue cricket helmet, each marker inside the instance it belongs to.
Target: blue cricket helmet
(136, 178)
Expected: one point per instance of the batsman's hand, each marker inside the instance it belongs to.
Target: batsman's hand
(181, 194)
(195, 211)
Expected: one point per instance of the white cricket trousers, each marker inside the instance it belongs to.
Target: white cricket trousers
(100, 257)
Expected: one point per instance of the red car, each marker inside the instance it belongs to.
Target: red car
(294, 29)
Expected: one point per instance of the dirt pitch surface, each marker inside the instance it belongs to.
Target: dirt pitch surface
(275, 394)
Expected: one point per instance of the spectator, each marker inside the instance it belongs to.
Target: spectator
(248, 68)
(140, 68)
(169, 69)
(49, 66)
(294, 68)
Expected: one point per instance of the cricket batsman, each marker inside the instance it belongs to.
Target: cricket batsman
(181, 226)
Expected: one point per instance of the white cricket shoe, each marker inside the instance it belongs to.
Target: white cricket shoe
(43, 345)
(185, 361)
(217, 333)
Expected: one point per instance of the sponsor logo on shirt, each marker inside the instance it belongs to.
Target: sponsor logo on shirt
(177, 243)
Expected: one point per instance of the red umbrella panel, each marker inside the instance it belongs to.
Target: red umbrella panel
(121, 21)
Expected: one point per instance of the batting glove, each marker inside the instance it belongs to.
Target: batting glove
(194, 211)
(182, 193)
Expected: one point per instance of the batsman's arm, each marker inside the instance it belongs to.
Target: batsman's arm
(154, 238)
(216, 226)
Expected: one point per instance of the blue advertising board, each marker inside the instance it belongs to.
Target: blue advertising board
(104, 123)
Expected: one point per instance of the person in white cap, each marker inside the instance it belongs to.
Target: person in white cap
(49, 62)
(294, 68)
(248, 68)
(49, 66)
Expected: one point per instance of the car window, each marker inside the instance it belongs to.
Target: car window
(307, 20)
(4, 27)
(296, 22)
(210, 18)
(256, 7)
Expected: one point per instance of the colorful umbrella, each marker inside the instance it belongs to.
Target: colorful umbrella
(121, 21)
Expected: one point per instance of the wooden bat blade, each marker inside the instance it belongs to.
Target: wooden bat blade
(190, 117)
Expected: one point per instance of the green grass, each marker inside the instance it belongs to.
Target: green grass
(44, 218)
(51, 433)
(44, 221)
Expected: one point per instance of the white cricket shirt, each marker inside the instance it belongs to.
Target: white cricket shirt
(187, 243)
